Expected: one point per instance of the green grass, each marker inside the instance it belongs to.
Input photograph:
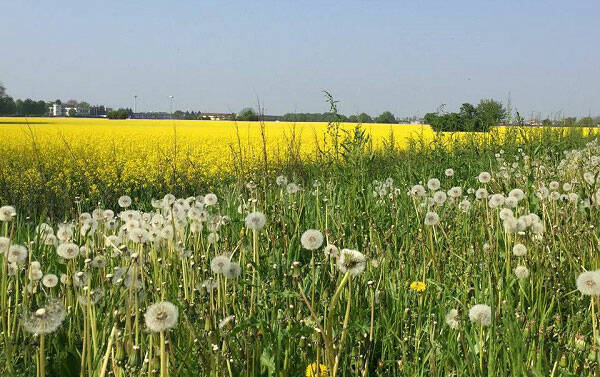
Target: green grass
(377, 326)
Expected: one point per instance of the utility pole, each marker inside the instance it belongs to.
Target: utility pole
(171, 107)
(135, 104)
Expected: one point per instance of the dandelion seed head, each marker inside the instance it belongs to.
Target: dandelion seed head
(281, 180)
(518, 194)
(255, 220)
(433, 184)
(50, 280)
(519, 250)
(210, 199)
(220, 264)
(521, 272)
(481, 314)
(17, 254)
(431, 218)
(124, 201)
(588, 283)
(484, 177)
(352, 261)
(331, 251)
(455, 192)
(233, 271)
(439, 197)
(452, 319)
(7, 213)
(4, 244)
(311, 239)
(496, 200)
(481, 193)
(292, 188)
(44, 320)
(418, 190)
(67, 250)
(161, 316)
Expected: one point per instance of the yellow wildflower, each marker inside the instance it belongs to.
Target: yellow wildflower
(312, 370)
(418, 286)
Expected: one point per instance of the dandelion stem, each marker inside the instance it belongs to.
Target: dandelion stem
(42, 368)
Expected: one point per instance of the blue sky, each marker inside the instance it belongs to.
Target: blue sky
(404, 56)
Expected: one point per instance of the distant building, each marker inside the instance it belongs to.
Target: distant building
(218, 116)
(60, 110)
(56, 110)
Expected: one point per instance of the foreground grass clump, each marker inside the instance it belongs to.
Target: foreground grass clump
(473, 261)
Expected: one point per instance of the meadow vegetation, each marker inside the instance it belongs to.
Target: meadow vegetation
(269, 249)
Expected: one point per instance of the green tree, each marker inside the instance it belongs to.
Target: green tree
(469, 118)
(247, 114)
(72, 112)
(490, 113)
(7, 106)
(364, 118)
(386, 117)
(119, 114)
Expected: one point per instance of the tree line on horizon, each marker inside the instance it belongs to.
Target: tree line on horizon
(472, 118)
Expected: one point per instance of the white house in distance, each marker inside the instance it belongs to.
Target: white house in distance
(56, 110)
(59, 110)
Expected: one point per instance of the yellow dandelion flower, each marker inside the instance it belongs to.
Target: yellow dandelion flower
(316, 370)
(418, 286)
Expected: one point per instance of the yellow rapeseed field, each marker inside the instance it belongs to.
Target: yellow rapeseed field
(98, 157)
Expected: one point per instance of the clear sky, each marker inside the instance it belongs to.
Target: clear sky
(404, 56)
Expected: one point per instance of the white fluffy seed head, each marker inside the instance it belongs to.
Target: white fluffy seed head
(311, 239)
(433, 184)
(431, 218)
(219, 264)
(255, 220)
(519, 250)
(67, 250)
(124, 201)
(351, 261)
(161, 316)
(452, 319)
(588, 283)
(481, 314)
(521, 272)
(484, 177)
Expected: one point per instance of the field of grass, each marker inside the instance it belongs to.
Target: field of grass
(48, 162)
(447, 255)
